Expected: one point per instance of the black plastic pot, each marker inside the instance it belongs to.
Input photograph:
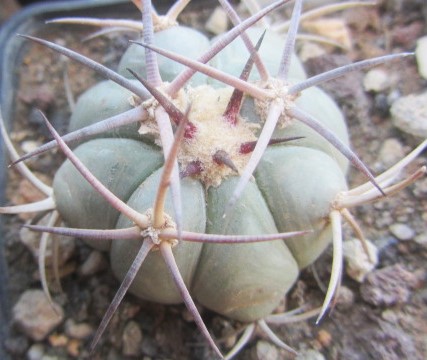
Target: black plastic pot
(11, 52)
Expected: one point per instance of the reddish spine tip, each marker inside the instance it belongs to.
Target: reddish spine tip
(247, 147)
(222, 158)
(190, 131)
(233, 108)
(193, 168)
(236, 99)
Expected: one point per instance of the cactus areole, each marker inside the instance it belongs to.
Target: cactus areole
(206, 180)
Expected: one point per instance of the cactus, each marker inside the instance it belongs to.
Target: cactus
(256, 162)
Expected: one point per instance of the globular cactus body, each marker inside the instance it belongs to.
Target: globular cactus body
(276, 268)
(295, 186)
(283, 175)
(179, 39)
(240, 282)
(123, 163)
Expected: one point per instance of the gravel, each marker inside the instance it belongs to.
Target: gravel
(35, 316)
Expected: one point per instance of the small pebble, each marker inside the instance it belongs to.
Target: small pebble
(420, 188)
(409, 114)
(402, 231)
(31, 240)
(345, 298)
(35, 316)
(390, 316)
(266, 351)
(390, 152)
(228, 332)
(421, 239)
(73, 347)
(132, 338)
(376, 80)
(217, 22)
(309, 354)
(58, 340)
(35, 352)
(78, 331)
(310, 50)
(358, 263)
(421, 56)
(335, 29)
(324, 338)
(29, 145)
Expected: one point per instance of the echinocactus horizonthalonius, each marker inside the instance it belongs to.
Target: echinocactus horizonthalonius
(256, 163)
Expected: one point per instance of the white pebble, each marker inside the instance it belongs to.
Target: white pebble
(391, 152)
(358, 263)
(409, 114)
(29, 145)
(266, 351)
(310, 50)
(217, 22)
(335, 29)
(376, 80)
(35, 352)
(309, 354)
(421, 239)
(402, 231)
(421, 56)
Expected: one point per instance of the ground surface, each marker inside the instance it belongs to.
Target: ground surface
(391, 324)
